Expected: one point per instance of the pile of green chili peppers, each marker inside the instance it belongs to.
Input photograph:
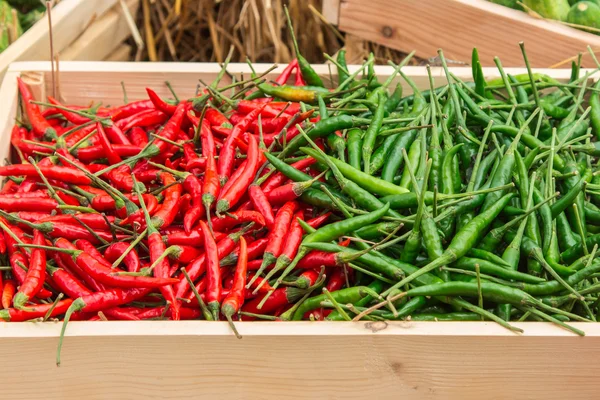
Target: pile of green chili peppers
(470, 200)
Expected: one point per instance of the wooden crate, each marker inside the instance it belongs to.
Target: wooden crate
(82, 30)
(457, 26)
(276, 360)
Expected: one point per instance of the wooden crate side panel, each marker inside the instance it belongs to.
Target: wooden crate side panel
(81, 82)
(459, 25)
(302, 367)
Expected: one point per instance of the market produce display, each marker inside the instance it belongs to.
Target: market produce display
(275, 201)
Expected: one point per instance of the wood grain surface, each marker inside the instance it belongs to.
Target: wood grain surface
(459, 25)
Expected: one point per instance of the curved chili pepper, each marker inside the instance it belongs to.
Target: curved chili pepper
(135, 107)
(237, 218)
(72, 117)
(34, 280)
(131, 260)
(88, 247)
(39, 124)
(238, 188)
(255, 250)
(194, 238)
(287, 72)
(105, 275)
(66, 262)
(261, 204)
(142, 119)
(213, 272)
(166, 213)
(159, 103)
(226, 156)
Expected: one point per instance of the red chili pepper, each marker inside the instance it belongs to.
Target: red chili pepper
(88, 247)
(16, 139)
(159, 103)
(288, 192)
(93, 153)
(317, 258)
(255, 250)
(194, 238)
(142, 119)
(260, 283)
(157, 312)
(67, 282)
(197, 267)
(336, 280)
(287, 72)
(66, 262)
(247, 106)
(94, 221)
(34, 311)
(215, 118)
(61, 174)
(213, 271)
(238, 188)
(131, 260)
(39, 124)
(166, 213)
(261, 204)
(227, 154)
(8, 292)
(211, 186)
(34, 280)
(280, 297)
(233, 302)
(106, 275)
(135, 107)
(237, 218)
(138, 136)
(307, 278)
(283, 219)
(72, 117)
(112, 156)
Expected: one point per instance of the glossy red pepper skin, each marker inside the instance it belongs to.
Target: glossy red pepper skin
(194, 238)
(135, 107)
(237, 218)
(61, 174)
(216, 118)
(72, 117)
(157, 247)
(227, 154)
(159, 103)
(138, 136)
(8, 291)
(34, 311)
(93, 153)
(238, 187)
(142, 119)
(131, 260)
(213, 272)
(166, 213)
(34, 280)
(234, 300)
(39, 124)
(211, 186)
(261, 204)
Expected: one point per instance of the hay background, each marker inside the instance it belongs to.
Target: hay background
(203, 30)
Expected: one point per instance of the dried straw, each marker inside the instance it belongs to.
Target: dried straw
(204, 30)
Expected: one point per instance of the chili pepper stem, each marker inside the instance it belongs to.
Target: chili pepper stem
(228, 312)
(77, 305)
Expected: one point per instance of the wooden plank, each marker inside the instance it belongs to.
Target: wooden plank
(69, 19)
(203, 360)
(122, 53)
(102, 37)
(331, 11)
(457, 26)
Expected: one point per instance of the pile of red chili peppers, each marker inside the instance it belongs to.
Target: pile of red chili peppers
(241, 208)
